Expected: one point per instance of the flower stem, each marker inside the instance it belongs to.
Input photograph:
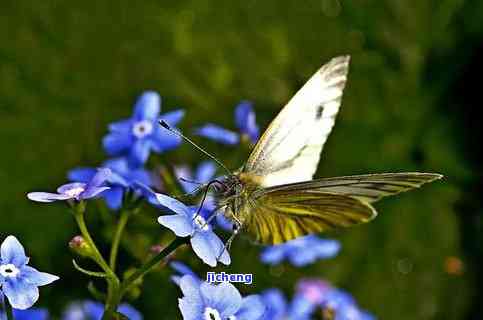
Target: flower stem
(113, 283)
(8, 310)
(121, 224)
(148, 266)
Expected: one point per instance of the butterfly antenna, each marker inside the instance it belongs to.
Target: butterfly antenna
(165, 125)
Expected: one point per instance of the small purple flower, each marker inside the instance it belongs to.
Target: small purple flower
(121, 179)
(76, 190)
(90, 310)
(203, 301)
(185, 223)
(315, 293)
(245, 122)
(19, 281)
(137, 136)
(301, 251)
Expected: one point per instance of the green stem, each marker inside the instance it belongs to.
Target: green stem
(113, 283)
(145, 268)
(8, 310)
(121, 225)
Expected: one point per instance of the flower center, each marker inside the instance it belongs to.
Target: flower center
(74, 192)
(142, 128)
(9, 270)
(201, 223)
(211, 314)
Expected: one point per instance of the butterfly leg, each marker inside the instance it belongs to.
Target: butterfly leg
(236, 229)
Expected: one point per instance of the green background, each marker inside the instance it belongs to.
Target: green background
(68, 68)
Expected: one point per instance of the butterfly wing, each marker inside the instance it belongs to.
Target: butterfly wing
(285, 212)
(289, 149)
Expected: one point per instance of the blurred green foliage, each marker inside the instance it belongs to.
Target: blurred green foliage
(67, 69)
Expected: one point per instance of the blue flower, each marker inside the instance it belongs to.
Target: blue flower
(301, 251)
(204, 301)
(29, 314)
(90, 310)
(121, 179)
(278, 308)
(204, 172)
(76, 190)
(185, 223)
(137, 136)
(19, 281)
(245, 122)
(181, 270)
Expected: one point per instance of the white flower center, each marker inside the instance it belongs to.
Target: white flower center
(211, 314)
(74, 192)
(231, 318)
(201, 223)
(142, 128)
(9, 270)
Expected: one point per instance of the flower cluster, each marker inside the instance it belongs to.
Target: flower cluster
(126, 182)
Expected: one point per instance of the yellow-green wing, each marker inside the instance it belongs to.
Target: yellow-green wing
(282, 213)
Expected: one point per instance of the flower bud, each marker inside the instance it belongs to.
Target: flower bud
(80, 246)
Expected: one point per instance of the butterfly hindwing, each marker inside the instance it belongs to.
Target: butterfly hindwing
(285, 212)
(289, 150)
(282, 215)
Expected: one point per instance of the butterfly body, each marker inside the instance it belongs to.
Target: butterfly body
(274, 198)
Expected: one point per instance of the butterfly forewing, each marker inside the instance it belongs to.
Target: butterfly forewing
(289, 150)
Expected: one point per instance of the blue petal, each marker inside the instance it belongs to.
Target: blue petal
(36, 277)
(205, 171)
(173, 117)
(20, 293)
(192, 303)
(69, 186)
(31, 314)
(13, 252)
(147, 106)
(164, 140)
(218, 134)
(92, 192)
(273, 255)
(190, 310)
(47, 196)
(180, 224)
(182, 269)
(223, 297)
(219, 247)
(114, 197)
(99, 178)
(129, 312)
(142, 176)
(117, 143)
(301, 308)
(139, 153)
(173, 204)
(123, 126)
(224, 223)
(202, 247)
(81, 174)
(183, 172)
(246, 121)
(275, 303)
(93, 310)
(252, 308)
(118, 165)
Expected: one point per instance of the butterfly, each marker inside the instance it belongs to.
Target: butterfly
(273, 196)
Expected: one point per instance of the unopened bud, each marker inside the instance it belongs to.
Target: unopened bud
(80, 246)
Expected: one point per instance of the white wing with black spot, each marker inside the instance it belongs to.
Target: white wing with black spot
(289, 150)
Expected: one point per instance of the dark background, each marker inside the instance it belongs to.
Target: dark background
(68, 68)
